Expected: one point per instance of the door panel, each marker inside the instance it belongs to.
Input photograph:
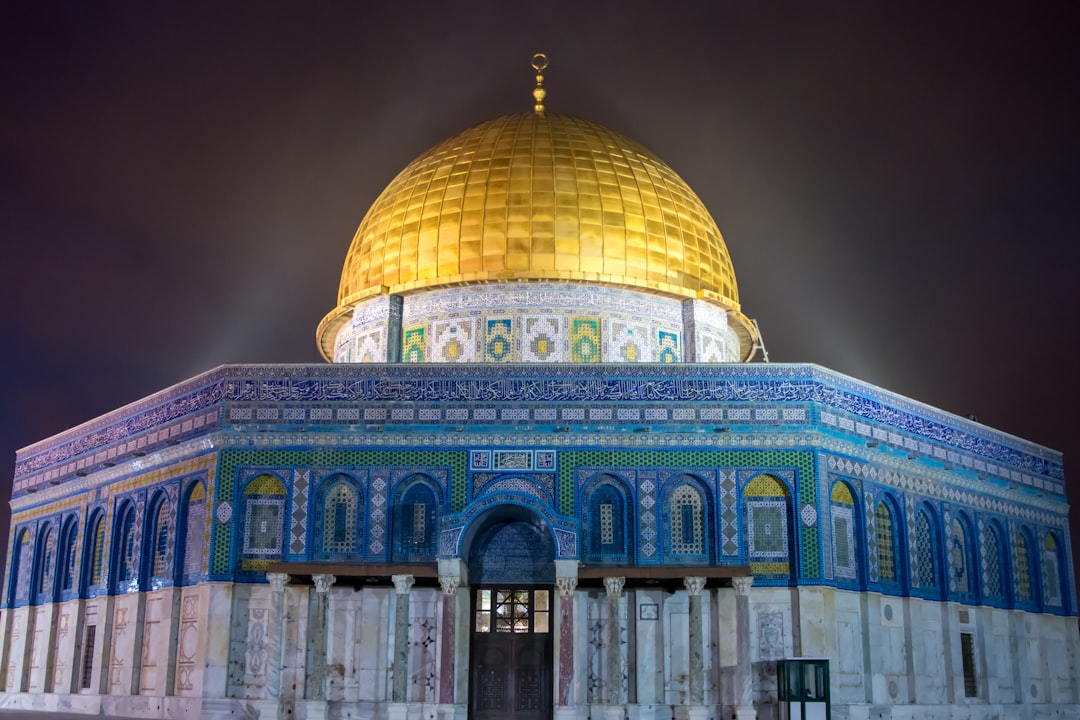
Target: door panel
(511, 676)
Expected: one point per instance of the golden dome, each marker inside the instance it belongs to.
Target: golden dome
(533, 197)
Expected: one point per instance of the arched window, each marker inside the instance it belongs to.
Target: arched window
(1023, 572)
(993, 582)
(686, 522)
(959, 562)
(845, 557)
(19, 580)
(46, 564)
(926, 552)
(94, 552)
(416, 519)
(194, 541)
(67, 555)
(264, 519)
(126, 551)
(157, 545)
(1052, 594)
(767, 526)
(886, 543)
(605, 524)
(339, 519)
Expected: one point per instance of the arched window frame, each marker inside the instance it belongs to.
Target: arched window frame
(846, 534)
(191, 534)
(598, 526)
(325, 525)
(44, 576)
(700, 547)
(406, 520)
(1026, 572)
(961, 548)
(994, 585)
(262, 530)
(93, 573)
(21, 565)
(157, 548)
(890, 545)
(67, 560)
(929, 548)
(124, 567)
(780, 564)
(1055, 589)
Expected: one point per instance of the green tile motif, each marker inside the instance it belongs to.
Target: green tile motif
(229, 460)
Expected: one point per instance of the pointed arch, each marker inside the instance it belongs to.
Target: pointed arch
(125, 550)
(845, 534)
(767, 502)
(960, 557)
(92, 575)
(263, 522)
(339, 514)
(993, 565)
(1025, 575)
(68, 555)
(927, 573)
(192, 543)
(605, 522)
(157, 550)
(686, 521)
(44, 576)
(1054, 595)
(414, 525)
(19, 579)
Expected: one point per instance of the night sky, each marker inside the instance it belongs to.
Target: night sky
(897, 183)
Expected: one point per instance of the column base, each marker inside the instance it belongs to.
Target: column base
(614, 712)
(316, 709)
(566, 712)
(697, 712)
(641, 712)
(452, 712)
(268, 709)
(397, 711)
(746, 713)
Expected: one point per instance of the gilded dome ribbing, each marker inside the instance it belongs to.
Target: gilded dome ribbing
(533, 197)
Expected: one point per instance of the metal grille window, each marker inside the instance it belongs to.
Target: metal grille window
(48, 564)
(843, 507)
(88, 656)
(1023, 574)
(687, 522)
(97, 545)
(195, 533)
(67, 580)
(513, 611)
(339, 513)
(127, 570)
(967, 656)
(419, 522)
(607, 531)
(958, 565)
(884, 532)
(161, 541)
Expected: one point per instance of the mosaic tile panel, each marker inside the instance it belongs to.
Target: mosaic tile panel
(454, 341)
(585, 341)
(871, 535)
(647, 489)
(729, 514)
(412, 344)
(499, 345)
(667, 347)
(299, 514)
(923, 557)
(542, 340)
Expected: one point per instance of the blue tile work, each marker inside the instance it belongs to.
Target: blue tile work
(521, 434)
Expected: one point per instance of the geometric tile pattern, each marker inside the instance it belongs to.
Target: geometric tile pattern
(298, 531)
(647, 514)
(729, 517)
(499, 340)
(923, 557)
(871, 536)
(584, 340)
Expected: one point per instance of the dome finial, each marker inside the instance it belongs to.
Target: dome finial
(539, 63)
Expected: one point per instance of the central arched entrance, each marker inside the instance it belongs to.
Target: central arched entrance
(511, 575)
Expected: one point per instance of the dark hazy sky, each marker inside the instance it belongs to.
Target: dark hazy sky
(897, 183)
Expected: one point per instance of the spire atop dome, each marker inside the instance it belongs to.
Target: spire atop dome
(539, 63)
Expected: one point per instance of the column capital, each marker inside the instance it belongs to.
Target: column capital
(614, 585)
(449, 583)
(323, 582)
(694, 585)
(742, 584)
(403, 583)
(277, 581)
(566, 586)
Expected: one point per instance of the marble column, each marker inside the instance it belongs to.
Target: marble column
(449, 585)
(566, 587)
(744, 679)
(399, 689)
(614, 586)
(270, 707)
(318, 622)
(694, 586)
